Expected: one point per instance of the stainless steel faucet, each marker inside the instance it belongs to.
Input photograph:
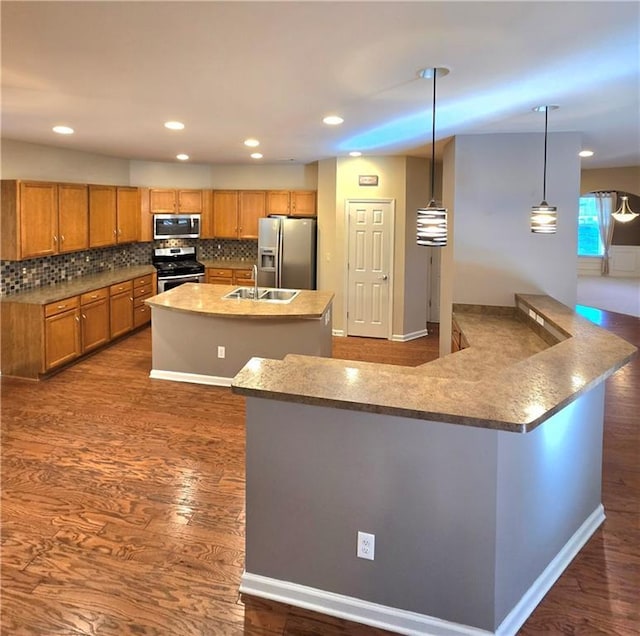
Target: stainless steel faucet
(255, 281)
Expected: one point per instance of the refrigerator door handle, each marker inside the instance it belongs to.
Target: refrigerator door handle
(279, 267)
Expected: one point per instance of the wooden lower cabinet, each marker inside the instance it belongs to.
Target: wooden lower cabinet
(143, 287)
(219, 275)
(243, 277)
(121, 308)
(94, 310)
(62, 341)
(36, 339)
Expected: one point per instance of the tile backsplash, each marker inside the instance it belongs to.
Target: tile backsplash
(19, 276)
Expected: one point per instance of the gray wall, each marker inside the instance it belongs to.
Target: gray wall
(465, 519)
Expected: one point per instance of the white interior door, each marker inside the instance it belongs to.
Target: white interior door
(369, 268)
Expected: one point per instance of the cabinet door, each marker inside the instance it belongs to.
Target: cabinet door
(62, 338)
(102, 215)
(278, 202)
(121, 310)
(225, 214)
(190, 201)
(252, 206)
(95, 324)
(303, 203)
(128, 208)
(162, 201)
(38, 219)
(73, 217)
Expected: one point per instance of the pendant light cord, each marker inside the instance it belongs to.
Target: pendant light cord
(544, 172)
(433, 138)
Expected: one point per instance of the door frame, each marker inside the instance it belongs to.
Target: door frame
(392, 244)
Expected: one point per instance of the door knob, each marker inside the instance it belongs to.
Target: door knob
(384, 277)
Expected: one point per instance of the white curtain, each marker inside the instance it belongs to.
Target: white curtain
(604, 205)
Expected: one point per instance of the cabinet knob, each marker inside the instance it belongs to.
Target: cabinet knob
(77, 318)
(62, 237)
(83, 315)
(55, 238)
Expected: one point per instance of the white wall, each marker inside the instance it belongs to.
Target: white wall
(497, 180)
(21, 160)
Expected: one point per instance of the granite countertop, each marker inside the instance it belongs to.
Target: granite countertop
(207, 299)
(82, 285)
(223, 264)
(508, 379)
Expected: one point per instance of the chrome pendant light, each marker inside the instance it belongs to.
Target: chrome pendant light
(544, 216)
(624, 213)
(432, 220)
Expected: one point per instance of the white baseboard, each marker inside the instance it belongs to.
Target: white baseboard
(409, 336)
(193, 378)
(410, 623)
(353, 609)
(532, 597)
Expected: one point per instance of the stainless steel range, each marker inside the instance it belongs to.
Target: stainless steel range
(175, 266)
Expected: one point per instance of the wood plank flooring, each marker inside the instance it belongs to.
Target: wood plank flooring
(123, 507)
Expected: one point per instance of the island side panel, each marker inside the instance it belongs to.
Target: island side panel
(426, 490)
(549, 484)
(186, 342)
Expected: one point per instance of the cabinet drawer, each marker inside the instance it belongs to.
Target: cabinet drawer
(119, 288)
(62, 305)
(139, 301)
(219, 273)
(95, 295)
(242, 275)
(142, 292)
(143, 281)
(214, 280)
(141, 314)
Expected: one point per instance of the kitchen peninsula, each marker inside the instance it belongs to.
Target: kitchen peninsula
(199, 336)
(479, 474)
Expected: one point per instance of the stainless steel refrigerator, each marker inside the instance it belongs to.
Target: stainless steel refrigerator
(287, 252)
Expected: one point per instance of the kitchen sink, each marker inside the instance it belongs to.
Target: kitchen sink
(279, 295)
(264, 295)
(243, 293)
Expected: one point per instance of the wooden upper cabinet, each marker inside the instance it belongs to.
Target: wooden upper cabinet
(38, 219)
(162, 201)
(73, 217)
(278, 202)
(251, 207)
(102, 215)
(225, 213)
(292, 202)
(303, 203)
(173, 201)
(128, 214)
(189, 201)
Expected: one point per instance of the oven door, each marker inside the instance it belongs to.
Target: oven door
(169, 282)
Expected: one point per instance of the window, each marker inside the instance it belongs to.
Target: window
(589, 241)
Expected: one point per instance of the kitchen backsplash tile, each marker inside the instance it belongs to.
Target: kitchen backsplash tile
(19, 276)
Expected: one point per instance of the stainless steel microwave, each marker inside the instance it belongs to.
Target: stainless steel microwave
(176, 226)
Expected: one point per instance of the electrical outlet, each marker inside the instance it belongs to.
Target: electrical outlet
(532, 314)
(366, 545)
(221, 352)
(540, 320)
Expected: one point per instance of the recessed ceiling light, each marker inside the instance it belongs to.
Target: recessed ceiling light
(174, 125)
(333, 120)
(585, 153)
(252, 143)
(256, 155)
(63, 130)
(182, 157)
(355, 153)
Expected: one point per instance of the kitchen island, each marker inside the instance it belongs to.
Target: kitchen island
(199, 336)
(479, 473)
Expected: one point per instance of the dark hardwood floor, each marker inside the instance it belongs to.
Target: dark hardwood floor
(123, 506)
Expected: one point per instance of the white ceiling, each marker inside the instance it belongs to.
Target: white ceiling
(115, 71)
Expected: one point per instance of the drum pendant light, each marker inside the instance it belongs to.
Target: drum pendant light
(624, 213)
(544, 216)
(432, 220)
